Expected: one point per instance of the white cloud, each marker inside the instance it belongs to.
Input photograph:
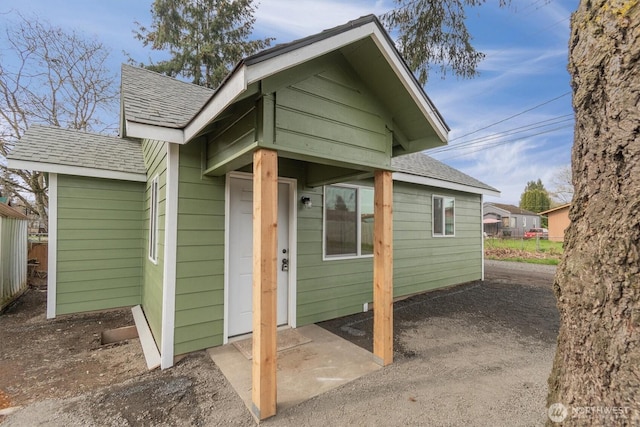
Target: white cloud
(510, 166)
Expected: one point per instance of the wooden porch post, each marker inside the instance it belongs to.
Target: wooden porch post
(265, 246)
(383, 268)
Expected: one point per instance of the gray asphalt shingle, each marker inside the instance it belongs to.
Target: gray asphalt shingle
(422, 165)
(155, 99)
(53, 145)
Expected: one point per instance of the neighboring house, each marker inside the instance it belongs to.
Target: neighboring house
(174, 214)
(13, 253)
(508, 220)
(558, 218)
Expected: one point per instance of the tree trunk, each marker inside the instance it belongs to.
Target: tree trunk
(596, 371)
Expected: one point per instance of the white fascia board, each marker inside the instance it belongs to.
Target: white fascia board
(76, 170)
(159, 133)
(229, 91)
(409, 83)
(303, 54)
(438, 183)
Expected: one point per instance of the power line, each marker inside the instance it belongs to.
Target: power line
(513, 116)
(498, 143)
(509, 132)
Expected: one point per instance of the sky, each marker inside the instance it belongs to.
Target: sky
(510, 125)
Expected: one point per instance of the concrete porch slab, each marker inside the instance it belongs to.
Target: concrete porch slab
(304, 371)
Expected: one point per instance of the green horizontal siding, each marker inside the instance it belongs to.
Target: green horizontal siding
(155, 158)
(99, 245)
(231, 136)
(332, 115)
(328, 289)
(422, 262)
(199, 310)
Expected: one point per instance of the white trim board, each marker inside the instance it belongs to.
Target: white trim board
(52, 248)
(227, 93)
(149, 349)
(76, 170)
(438, 183)
(170, 257)
(149, 131)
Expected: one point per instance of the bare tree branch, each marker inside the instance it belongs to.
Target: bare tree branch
(562, 190)
(50, 77)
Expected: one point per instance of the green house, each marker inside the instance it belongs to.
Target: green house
(162, 217)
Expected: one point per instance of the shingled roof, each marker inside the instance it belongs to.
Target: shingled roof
(513, 209)
(422, 165)
(155, 99)
(57, 146)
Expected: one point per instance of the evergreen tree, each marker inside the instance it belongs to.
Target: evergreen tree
(205, 38)
(535, 197)
(433, 32)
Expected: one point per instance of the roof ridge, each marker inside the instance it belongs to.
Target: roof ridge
(327, 32)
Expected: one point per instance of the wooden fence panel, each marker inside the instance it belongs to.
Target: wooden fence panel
(40, 252)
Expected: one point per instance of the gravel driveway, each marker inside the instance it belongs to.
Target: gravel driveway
(475, 354)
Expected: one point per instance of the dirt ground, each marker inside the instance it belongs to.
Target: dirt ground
(475, 354)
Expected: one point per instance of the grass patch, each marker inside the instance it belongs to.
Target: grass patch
(521, 250)
(527, 245)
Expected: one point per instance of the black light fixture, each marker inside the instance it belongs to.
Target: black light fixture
(306, 201)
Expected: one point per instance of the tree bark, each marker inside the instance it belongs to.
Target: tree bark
(596, 371)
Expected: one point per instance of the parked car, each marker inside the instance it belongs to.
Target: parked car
(542, 233)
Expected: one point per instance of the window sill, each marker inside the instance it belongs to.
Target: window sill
(345, 257)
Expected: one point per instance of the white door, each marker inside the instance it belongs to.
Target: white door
(241, 255)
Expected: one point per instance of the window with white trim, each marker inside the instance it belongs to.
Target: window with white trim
(348, 221)
(153, 220)
(443, 216)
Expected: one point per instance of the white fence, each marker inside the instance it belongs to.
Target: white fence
(13, 257)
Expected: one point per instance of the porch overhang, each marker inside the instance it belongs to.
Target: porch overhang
(370, 52)
(319, 171)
